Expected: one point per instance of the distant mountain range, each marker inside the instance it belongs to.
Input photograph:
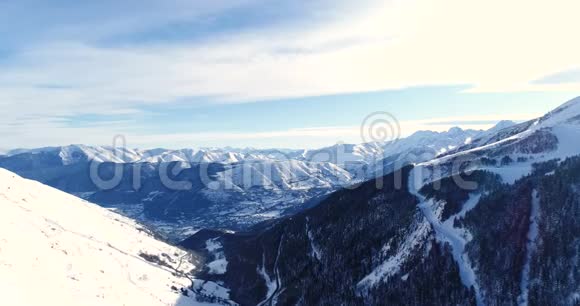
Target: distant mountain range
(438, 142)
(230, 188)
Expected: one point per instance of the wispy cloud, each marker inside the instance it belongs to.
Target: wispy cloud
(104, 133)
(72, 68)
(571, 76)
(395, 45)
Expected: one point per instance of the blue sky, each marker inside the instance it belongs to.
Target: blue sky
(241, 73)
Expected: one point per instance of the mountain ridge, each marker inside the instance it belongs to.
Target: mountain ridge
(232, 190)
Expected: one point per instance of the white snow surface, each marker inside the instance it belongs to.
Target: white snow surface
(56, 249)
(220, 264)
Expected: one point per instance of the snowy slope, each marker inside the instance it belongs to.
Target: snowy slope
(56, 249)
(513, 151)
(285, 175)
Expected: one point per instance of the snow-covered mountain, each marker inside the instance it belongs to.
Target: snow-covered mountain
(72, 154)
(513, 152)
(362, 161)
(421, 237)
(56, 249)
(340, 154)
(229, 188)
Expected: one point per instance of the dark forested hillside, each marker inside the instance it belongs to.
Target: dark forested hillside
(319, 257)
(369, 246)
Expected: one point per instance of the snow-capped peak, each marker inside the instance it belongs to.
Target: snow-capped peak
(503, 124)
(455, 130)
(568, 112)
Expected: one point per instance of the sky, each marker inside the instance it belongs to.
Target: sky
(286, 73)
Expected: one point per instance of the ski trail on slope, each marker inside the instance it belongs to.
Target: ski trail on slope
(273, 289)
(445, 232)
(270, 283)
(532, 236)
(393, 264)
